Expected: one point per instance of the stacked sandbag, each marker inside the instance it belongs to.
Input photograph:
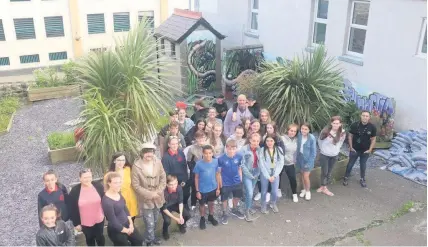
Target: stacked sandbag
(408, 155)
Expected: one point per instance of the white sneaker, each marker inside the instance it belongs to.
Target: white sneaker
(257, 197)
(193, 208)
(267, 197)
(295, 198)
(308, 196)
(279, 193)
(230, 202)
(302, 193)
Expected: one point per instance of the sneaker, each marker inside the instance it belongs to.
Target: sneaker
(224, 220)
(237, 213)
(302, 193)
(345, 181)
(193, 208)
(165, 236)
(257, 197)
(308, 196)
(295, 198)
(279, 193)
(248, 217)
(264, 210)
(202, 224)
(230, 202)
(252, 211)
(182, 229)
(213, 221)
(157, 242)
(320, 189)
(149, 244)
(274, 208)
(267, 197)
(363, 183)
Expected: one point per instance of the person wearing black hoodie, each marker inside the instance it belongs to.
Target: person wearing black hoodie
(54, 193)
(174, 163)
(200, 111)
(53, 231)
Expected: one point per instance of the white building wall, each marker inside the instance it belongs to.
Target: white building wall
(390, 64)
(42, 45)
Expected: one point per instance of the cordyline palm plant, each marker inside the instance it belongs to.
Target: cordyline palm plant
(306, 89)
(126, 89)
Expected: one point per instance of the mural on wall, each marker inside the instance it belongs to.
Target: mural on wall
(238, 65)
(382, 108)
(201, 61)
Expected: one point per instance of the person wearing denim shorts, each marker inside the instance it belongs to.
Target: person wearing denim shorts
(306, 153)
(229, 165)
(207, 183)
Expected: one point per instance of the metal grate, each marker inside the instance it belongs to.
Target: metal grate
(121, 22)
(53, 56)
(24, 28)
(2, 37)
(96, 23)
(29, 58)
(4, 61)
(54, 26)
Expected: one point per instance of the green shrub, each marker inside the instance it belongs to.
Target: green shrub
(162, 122)
(58, 140)
(70, 74)
(47, 77)
(8, 106)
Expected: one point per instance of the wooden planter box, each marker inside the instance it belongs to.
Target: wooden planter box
(9, 125)
(35, 94)
(63, 155)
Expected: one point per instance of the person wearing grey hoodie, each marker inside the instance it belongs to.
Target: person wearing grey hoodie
(330, 141)
(290, 145)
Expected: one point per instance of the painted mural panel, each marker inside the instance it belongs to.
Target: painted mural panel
(201, 61)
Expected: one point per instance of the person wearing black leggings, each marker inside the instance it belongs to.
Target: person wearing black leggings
(290, 144)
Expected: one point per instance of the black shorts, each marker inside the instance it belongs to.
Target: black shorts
(207, 197)
(236, 191)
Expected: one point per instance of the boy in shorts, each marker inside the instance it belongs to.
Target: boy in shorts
(229, 165)
(207, 183)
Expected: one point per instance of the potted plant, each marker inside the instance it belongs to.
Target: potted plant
(49, 84)
(8, 107)
(62, 147)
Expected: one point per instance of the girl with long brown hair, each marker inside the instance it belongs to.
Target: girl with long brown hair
(330, 141)
(217, 140)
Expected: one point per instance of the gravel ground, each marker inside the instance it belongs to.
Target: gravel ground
(24, 150)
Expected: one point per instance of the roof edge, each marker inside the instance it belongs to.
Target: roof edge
(188, 13)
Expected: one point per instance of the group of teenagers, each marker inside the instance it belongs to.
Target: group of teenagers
(217, 155)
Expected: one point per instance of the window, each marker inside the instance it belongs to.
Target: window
(254, 15)
(121, 22)
(149, 17)
(99, 50)
(172, 49)
(24, 28)
(2, 37)
(54, 26)
(30, 58)
(53, 56)
(358, 28)
(96, 23)
(320, 22)
(422, 49)
(163, 46)
(196, 5)
(4, 61)
(20, 0)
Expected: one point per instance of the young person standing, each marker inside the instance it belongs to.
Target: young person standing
(306, 153)
(229, 165)
(207, 183)
(361, 140)
(53, 231)
(173, 203)
(238, 137)
(173, 131)
(290, 145)
(217, 140)
(185, 123)
(221, 106)
(194, 154)
(330, 141)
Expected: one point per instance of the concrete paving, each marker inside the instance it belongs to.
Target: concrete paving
(329, 218)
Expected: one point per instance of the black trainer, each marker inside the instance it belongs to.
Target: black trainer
(212, 220)
(363, 183)
(345, 181)
(182, 228)
(202, 223)
(165, 235)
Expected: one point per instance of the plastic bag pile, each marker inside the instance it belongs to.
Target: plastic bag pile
(407, 156)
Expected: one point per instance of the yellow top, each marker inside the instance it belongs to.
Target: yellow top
(128, 192)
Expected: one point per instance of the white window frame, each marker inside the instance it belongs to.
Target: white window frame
(421, 38)
(351, 25)
(255, 11)
(318, 20)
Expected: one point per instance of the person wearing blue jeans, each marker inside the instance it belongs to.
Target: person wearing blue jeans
(250, 172)
(361, 140)
(271, 162)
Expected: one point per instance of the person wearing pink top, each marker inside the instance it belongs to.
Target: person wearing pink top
(85, 208)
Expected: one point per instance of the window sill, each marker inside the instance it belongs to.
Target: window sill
(351, 59)
(251, 34)
(310, 49)
(421, 56)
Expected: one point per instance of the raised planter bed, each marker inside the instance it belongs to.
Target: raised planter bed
(3, 132)
(36, 94)
(63, 155)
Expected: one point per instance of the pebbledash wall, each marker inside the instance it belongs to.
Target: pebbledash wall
(391, 68)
